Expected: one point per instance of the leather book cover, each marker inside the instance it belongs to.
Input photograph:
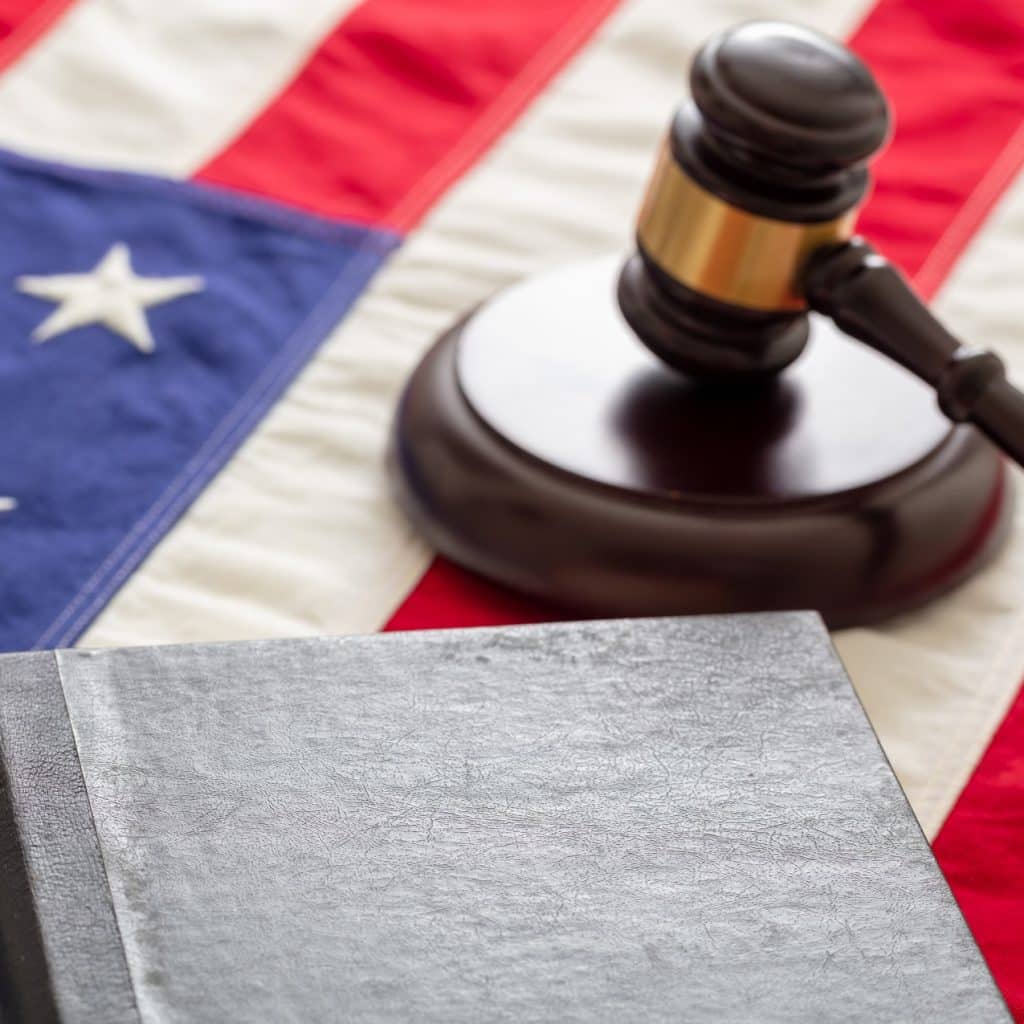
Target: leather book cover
(657, 820)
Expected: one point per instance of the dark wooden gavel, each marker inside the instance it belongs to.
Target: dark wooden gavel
(540, 444)
(748, 224)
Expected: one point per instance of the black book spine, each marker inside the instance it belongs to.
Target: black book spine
(61, 954)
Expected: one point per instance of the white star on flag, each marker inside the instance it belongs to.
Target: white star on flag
(7, 504)
(111, 294)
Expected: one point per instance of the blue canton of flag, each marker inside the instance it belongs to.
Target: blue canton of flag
(147, 326)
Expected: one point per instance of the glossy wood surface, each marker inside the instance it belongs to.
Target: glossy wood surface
(541, 445)
(781, 121)
(551, 366)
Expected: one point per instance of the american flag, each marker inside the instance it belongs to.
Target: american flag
(231, 228)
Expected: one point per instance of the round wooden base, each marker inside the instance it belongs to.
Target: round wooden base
(540, 444)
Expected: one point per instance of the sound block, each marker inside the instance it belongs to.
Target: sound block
(541, 445)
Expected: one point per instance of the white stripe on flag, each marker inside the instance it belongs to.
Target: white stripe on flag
(158, 86)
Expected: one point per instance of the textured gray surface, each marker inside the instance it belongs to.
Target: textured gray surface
(61, 956)
(656, 820)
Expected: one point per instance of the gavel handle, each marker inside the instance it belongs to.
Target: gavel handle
(871, 300)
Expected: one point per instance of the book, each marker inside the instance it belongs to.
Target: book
(659, 820)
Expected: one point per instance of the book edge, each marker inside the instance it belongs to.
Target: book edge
(910, 811)
(63, 955)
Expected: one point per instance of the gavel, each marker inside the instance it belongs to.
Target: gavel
(748, 222)
(697, 427)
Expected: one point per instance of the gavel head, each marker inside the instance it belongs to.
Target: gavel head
(764, 165)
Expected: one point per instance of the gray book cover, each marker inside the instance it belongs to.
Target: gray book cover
(658, 820)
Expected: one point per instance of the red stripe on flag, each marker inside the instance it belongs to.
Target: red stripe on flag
(954, 75)
(981, 850)
(399, 100)
(453, 595)
(22, 22)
